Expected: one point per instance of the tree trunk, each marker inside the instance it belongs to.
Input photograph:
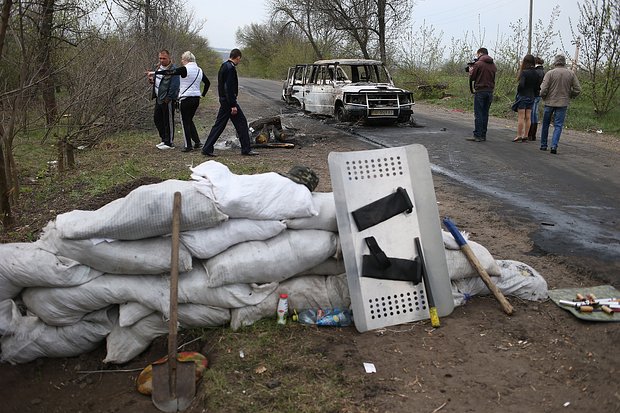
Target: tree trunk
(381, 6)
(5, 205)
(45, 51)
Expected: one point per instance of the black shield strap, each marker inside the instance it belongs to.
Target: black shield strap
(383, 209)
(379, 265)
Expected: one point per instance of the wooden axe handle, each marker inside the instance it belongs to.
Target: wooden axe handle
(473, 260)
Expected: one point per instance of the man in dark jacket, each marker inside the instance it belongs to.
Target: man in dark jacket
(165, 92)
(228, 89)
(482, 76)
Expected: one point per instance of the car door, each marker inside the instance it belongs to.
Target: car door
(319, 90)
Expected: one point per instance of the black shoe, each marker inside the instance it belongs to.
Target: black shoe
(474, 139)
(210, 154)
(554, 150)
(197, 145)
(251, 153)
(543, 148)
(186, 150)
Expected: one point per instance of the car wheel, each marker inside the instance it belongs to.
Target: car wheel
(341, 114)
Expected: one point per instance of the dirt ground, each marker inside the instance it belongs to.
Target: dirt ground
(541, 359)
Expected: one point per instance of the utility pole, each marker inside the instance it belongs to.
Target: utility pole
(529, 37)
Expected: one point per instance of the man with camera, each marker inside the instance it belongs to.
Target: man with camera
(481, 83)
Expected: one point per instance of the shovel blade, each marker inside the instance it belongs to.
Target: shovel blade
(174, 394)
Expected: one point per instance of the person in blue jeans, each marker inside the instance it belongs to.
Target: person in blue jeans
(482, 84)
(559, 85)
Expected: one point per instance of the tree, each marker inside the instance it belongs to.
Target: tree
(304, 16)
(598, 29)
(5, 204)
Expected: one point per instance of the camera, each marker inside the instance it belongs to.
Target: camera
(470, 64)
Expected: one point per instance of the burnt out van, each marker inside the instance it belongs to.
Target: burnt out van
(348, 89)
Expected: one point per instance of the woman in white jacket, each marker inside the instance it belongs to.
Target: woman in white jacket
(189, 99)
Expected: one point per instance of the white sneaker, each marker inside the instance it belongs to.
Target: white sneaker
(159, 144)
(164, 146)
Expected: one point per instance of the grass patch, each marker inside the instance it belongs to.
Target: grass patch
(457, 96)
(283, 370)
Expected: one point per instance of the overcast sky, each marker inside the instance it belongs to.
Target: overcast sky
(453, 17)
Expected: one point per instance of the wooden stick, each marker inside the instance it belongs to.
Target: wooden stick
(473, 260)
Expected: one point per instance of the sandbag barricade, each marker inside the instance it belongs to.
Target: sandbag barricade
(96, 275)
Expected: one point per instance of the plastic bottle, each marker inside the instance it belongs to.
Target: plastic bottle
(282, 308)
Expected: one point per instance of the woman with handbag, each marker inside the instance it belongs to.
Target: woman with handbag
(189, 99)
(529, 82)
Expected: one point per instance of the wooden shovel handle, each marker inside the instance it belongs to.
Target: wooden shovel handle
(174, 289)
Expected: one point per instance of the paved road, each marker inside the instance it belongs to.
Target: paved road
(572, 198)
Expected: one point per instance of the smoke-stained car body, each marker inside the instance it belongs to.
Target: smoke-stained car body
(348, 89)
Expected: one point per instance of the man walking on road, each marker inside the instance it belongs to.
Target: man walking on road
(482, 77)
(559, 85)
(228, 89)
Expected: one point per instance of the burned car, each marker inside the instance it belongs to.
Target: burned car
(348, 89)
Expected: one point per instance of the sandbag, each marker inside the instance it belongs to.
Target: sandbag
(193, 289)
(189, 315)
(65, 306)
(26, 265)
(325, 220)
(259, 196)
(29, 338)
(125, 343)
(145, 256)
(517, 279)
(273, 260)
(206, 243)
(459, 267)
(311, 291)
(331, 266)
(144, 213)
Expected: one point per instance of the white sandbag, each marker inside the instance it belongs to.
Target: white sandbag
(459, 267)
(331, 266)
(259, 196)
(449, 242)
(145, 256)
(189, 315)
(273, 260)
(207, 243)
(193, 289)
(517, 279)
(198, 316)
(311, 291)
(325, 220)
(30, 338)
(144, 213)
(26, 265)
(7, 307)
(66, 306)
(125, 343)
(131, 312)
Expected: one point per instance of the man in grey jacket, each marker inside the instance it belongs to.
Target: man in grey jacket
(558, 87)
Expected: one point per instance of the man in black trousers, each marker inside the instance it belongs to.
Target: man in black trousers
(228, 89)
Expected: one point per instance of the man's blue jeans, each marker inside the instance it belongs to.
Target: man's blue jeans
(559, 114)
(534, 116)
(482, 103)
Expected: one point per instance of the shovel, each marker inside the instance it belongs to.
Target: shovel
(174, 384)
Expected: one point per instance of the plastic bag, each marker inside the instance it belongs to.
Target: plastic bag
(335, 317)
